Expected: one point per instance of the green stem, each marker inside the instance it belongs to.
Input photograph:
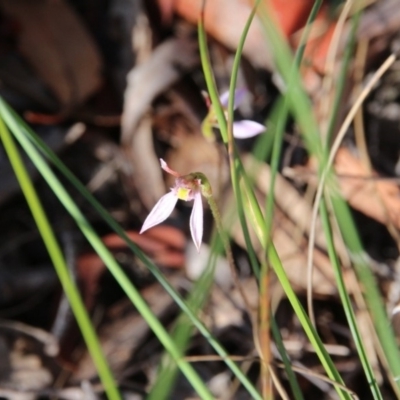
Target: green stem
(207, 193)
(31, 143)
(60, 265)
(347, 306)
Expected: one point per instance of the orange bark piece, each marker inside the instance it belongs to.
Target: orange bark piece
(89, 268)
(225, 20)
(320, 36)
(152, 240)
(291, 15)
(378, 199)
(164, 244)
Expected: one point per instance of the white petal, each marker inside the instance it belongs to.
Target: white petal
(246, 129)
(196, 221)
(160, 211)
(239, 96)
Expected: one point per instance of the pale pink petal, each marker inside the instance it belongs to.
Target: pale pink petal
(196, 221)
(160, 211)
(224, 98)
(165, 167)
(246, 129)
(239, 96)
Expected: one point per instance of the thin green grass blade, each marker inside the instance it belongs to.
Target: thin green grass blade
(113, 266)
(282, 119)
(26, 137)
(182, 333)
(348, 309)
(256, 215)
(294, 384)
(299, 103)
(341, 81)
(209, 78)
(372, 295)
(309, 329)
(60, 265)
(232, 151)
(262, 149)
(282, 113)
(301, 108)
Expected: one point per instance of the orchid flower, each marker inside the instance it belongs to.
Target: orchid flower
(188, 187)
(243, 129)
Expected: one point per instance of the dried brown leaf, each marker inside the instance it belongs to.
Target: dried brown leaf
(58, 46)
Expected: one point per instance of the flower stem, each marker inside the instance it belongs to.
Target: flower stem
(207, 193)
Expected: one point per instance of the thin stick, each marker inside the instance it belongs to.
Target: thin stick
(335, 147)
(327, 85)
